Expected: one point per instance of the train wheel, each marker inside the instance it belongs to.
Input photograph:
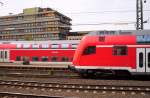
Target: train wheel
(122, 73)
(84, 75)
(88, 74)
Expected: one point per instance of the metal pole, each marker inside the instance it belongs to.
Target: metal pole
(139, 12)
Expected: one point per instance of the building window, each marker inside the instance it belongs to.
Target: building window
(54, 59)
(35, 58)
(120, 50)
(44, 58)
(18, 58)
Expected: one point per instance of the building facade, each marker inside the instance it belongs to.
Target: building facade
(34, 24)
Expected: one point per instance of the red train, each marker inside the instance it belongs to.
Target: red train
(116, 54)
(38, 51)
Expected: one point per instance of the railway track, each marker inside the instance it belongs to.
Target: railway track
(20, 95)
(72, 87)
(41, 72)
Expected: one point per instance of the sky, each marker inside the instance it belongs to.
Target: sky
(87, 14)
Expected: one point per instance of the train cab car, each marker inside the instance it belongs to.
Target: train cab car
(116, 54)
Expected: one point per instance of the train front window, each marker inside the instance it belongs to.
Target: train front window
(120, 50)
(89, 50)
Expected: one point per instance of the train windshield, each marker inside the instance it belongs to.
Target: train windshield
(89, 50)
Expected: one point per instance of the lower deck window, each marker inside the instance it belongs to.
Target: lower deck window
(64, 59)
(54, 59)
(120, 50)
(35, 58)
(18, 58)
(44, 58)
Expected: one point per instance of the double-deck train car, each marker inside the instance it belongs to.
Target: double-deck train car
(115, 54)
(38, 51)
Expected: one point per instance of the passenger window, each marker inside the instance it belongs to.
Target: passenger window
(64, 46)
(54, 59)
(54, 46)
(35, 58)
(35, 46)
(74, 46)
(44, 58)
(45, 46)
(18, 45)
(120, 50)
(64, 59)
(89, 50)
(26, 46)
(18, 58)
(141, 59)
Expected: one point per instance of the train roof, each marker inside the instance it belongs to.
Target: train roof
(120, 32)
(41, 42)
(110, 40)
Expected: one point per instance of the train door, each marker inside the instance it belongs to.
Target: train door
(143, 59)
(1, 55)
(4, 55)
(147, 59)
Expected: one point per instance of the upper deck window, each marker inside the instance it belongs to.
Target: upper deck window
(74, 46)
(45, 46)
(26, 46)
(120, 50)
(54, 46)
(18, 45)
(89, 50)
(64, 45)
(35, 46)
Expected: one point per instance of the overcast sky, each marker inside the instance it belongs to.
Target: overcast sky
(106, 13)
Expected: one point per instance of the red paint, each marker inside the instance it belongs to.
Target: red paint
(104, 56)
(39, 53)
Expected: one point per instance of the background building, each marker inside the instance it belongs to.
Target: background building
(34, 24)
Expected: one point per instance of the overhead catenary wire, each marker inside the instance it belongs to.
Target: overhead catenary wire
(103, 23)
(107, 12)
